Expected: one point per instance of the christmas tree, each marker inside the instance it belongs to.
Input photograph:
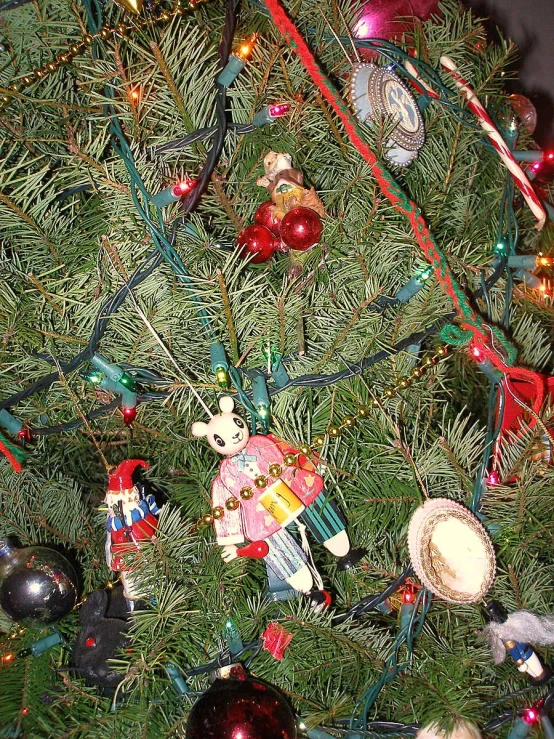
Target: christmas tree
(369, 350)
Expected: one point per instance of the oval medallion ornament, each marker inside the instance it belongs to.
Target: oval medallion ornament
(451, 551)
(377, 92)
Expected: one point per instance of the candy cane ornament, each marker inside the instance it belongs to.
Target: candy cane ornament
(498, 142)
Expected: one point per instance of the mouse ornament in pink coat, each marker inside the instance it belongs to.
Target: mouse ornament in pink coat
(255, 496)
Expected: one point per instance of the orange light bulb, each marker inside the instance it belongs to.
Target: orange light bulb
(246, 48)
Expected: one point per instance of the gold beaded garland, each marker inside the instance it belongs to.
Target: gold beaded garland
(122, 29)
(333, 431)
(218, 512)
(207, 519)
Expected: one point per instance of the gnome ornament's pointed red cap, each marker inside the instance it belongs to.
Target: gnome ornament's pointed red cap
(122, 477)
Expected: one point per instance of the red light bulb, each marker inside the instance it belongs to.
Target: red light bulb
(531, 716)
(536, 166)
(476, 352)
(409, 594)
(276, 111)
(493, 479)
(549, 156)
(25, 434)
(129, 415)
(183, 187)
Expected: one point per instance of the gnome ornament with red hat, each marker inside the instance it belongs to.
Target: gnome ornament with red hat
(131, 519)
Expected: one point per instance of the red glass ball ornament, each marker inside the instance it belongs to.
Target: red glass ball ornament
(301, 228)
(389, 19)
(264, 217)
(241, 709)
(256, 242)
(90, 642)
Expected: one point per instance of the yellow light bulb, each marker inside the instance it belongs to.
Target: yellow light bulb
(246, 48)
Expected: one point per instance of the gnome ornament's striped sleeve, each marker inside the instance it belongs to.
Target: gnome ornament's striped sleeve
(132, 518)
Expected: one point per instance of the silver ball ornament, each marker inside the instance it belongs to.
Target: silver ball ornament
(37, 585)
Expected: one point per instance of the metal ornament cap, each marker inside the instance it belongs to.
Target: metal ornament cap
(132, 6)
(376, 93)
(451, 551)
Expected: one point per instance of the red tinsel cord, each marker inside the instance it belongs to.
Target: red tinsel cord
(10, 457)
(468, 319)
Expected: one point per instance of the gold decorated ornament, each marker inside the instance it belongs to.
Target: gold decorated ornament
(231, 504)
(377, 93)
(275, 470)
(451, 551)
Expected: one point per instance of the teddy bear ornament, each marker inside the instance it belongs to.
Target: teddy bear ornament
(256, 497)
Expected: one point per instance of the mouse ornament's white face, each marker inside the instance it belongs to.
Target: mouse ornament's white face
(226, 432)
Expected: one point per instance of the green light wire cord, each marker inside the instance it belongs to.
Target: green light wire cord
(156, 229)
(392, 666)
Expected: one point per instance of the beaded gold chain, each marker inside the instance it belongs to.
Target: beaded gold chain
(66, 57)
(332, 432)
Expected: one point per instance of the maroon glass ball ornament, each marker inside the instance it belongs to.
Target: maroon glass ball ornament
(264, 217)
(389, 19)
(301, 228)
(241, 709)
(257, 243)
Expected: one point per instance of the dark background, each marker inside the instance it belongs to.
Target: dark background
(530, 23)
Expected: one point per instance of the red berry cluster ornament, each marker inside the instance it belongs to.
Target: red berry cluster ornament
(290, 220)
(299, 229)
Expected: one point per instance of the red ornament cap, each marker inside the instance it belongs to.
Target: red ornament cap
(122, 477)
